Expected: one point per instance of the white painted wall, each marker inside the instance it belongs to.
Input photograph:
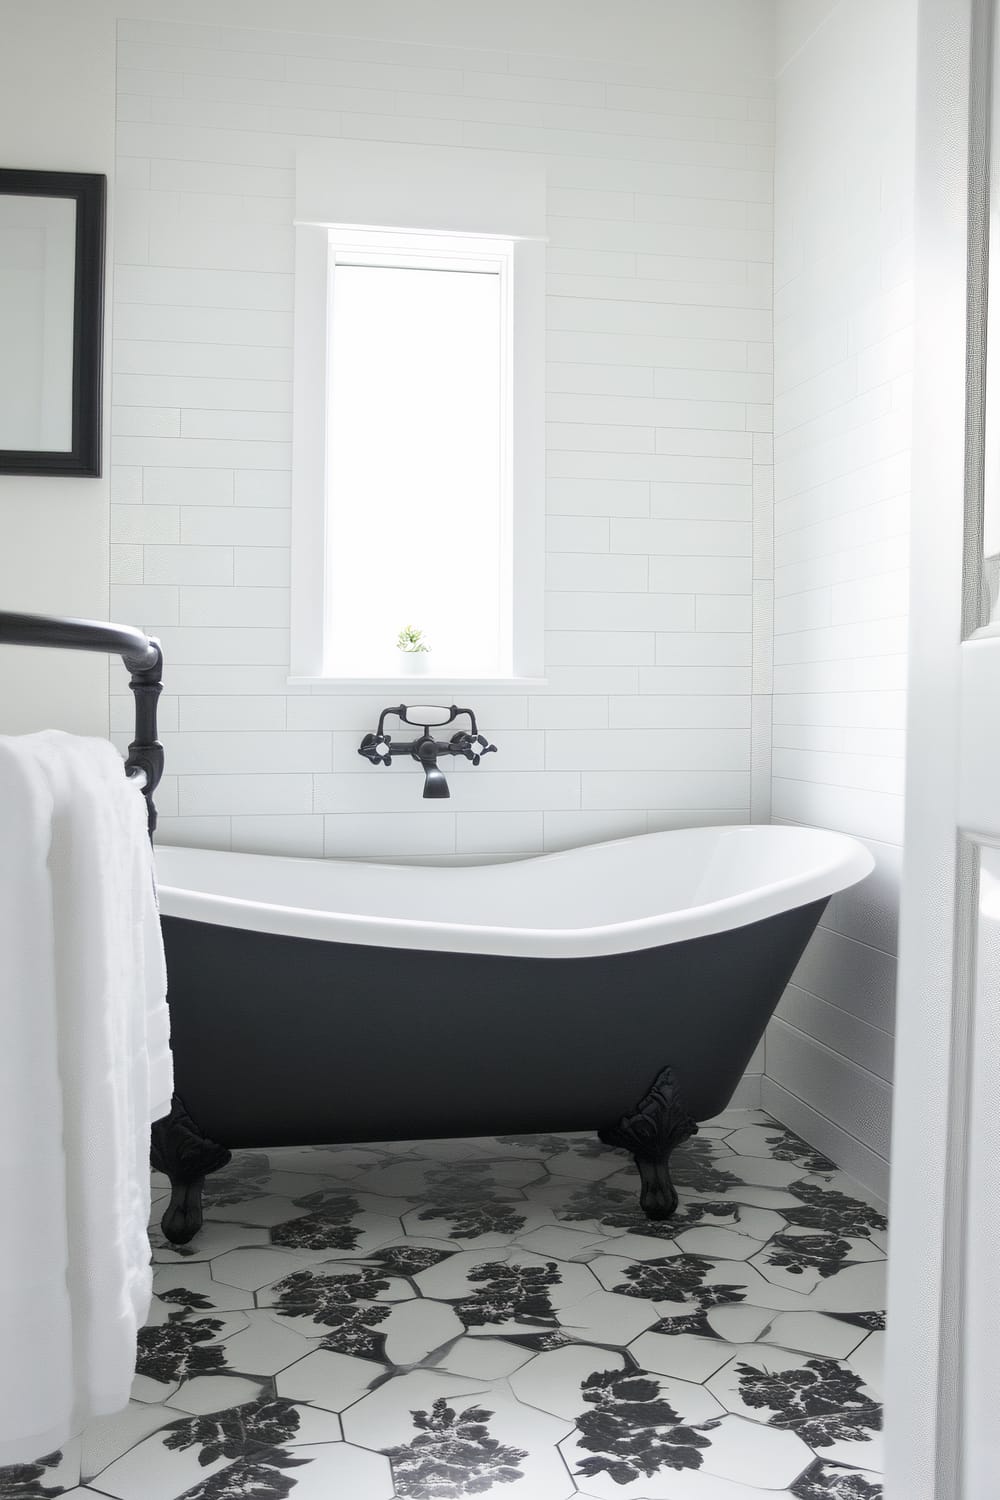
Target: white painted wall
(842, 430)
(659, 281)
(56, 114)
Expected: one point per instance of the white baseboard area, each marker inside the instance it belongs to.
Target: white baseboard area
(857, 1160)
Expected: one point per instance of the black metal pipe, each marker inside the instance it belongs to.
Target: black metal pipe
(140, 653)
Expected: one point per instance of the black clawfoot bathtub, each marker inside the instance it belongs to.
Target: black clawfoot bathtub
(621, 986)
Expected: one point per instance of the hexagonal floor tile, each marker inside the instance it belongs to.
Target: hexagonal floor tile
(486, 1431)
(251, 1269)
(868, 1359)
(326, 1379)
(205, 1292)
(813, 1333)
(633, 1246)
(727, 1244)
(823, 1400)
(384, 1418)
(313, 1237)
(857, 1288)
(152, 1471)
(768, 1457)
(637, 1432)
(316, 1425)
(341, 1469)
(684, 1355)
(560, 1241)
(774, 1140)
(587, 1168)
(773, 1263)
(59, 1471)
(213, 1239)
(108, 1438)
(266, 1346)
(266, 1210)
(483, 1359)
(328, 1161)
(554, 1381)
(297, 1292)
(756, 1288)
(606, 1318)
(479, 1225)
(403, 1178)
(413, 1330)
(543, 1234)
(450, 1279)
(829, 1477)
(691, 1484)
(729, 1213)
(613, 1270)
(295, 1185)
(764, 1171)
(750, 1384)
(738, 1322)
(207, 1393)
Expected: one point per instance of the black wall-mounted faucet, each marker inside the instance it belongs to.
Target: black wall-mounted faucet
(379, 747)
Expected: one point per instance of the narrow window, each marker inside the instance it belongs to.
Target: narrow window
(418, 458)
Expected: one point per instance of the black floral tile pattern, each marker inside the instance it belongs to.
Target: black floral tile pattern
(828, 1482)
(179, 1349)
(824, 1401)
(328, 1226)
(795, 1253)
(268, 1423)
(509, 1292)
(468, 1196)
(611, 1207)
(698, 1165)
(407, 1260)
(452, 1454)
(632, 1430)
(242, 1180)
(549, 1306)
(825, 1208)
(787, 1147)
(340, 1306)
(28, 1481)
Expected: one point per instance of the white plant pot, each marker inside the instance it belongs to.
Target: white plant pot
(413, 663)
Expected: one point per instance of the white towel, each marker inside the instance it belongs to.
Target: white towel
(84, 1070)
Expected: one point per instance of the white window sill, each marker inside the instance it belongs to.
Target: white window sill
(416, 684)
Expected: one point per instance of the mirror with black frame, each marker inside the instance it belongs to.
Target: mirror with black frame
(51, 321)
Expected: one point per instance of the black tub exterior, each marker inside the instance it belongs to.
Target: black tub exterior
(281, 1040)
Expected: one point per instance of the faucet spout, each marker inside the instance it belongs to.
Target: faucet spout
(435, 784)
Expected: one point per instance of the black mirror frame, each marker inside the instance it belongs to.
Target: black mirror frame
(89, 190)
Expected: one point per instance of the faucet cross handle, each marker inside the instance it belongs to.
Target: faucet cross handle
(377, 748)
(472, 746)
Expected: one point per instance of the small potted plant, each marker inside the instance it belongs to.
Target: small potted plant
(413, 650)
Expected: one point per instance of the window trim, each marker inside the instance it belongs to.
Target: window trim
(458, 184)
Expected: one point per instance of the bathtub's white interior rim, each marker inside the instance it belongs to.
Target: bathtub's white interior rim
(607, 898)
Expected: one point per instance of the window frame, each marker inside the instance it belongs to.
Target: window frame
(458, 194)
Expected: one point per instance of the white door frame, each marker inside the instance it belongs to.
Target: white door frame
(934, 1391)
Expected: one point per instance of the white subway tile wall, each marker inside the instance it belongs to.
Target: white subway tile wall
(659, 329)
(843, 357)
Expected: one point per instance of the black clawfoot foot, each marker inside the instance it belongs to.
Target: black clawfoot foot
(181, 1150)
(658, 1124)
(183, 1216)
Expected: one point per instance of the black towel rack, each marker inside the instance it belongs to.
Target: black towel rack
(142, 656)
